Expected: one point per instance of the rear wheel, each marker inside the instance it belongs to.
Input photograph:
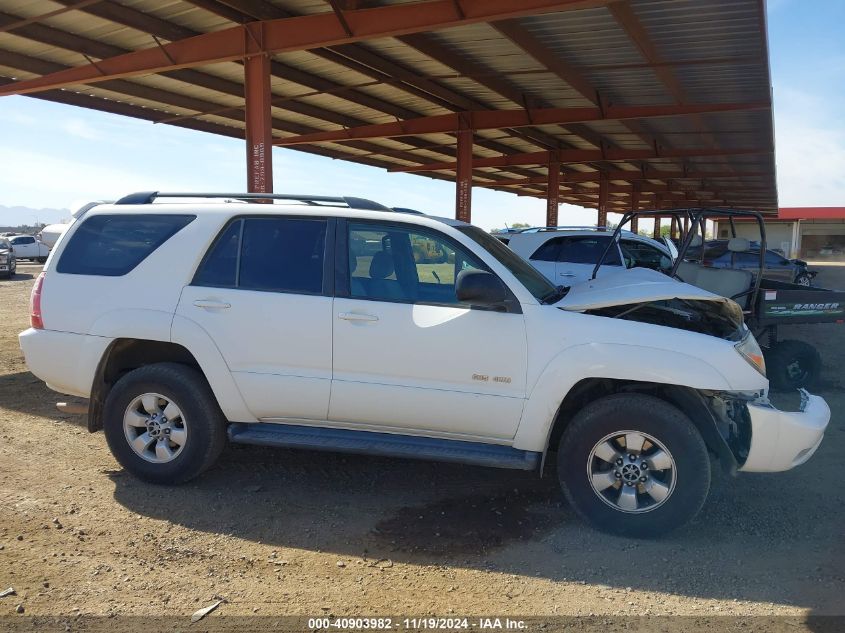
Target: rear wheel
(163, 424)
(634, 465)
(793, 364)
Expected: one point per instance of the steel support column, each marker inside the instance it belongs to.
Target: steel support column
(259, 126)
(656, 234)
(463, 177)
(603, 195)
(635, 205)
(553, 191)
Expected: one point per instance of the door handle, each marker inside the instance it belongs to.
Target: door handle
(353, 316)
(567, 274)
(212, 304)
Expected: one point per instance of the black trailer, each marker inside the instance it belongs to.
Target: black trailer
(767, 304)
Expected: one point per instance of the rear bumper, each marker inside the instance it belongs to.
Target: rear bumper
(782, 440)
(67, 362)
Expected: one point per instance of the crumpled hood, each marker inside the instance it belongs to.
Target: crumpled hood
(635, 285)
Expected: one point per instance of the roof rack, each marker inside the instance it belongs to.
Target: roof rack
(540, 229)
(147, 197)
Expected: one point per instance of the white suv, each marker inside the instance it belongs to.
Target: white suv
(568, 255)
(338, 324)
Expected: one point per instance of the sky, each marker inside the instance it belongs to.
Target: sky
(52, 155)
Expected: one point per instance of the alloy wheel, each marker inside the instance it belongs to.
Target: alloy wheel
(155, 428)
(631, 471)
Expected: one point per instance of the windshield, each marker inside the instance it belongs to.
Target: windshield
(540, 287)
(4, 244)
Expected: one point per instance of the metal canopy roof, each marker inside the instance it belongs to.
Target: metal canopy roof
(669, 99)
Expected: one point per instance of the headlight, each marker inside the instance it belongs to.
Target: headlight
(750, 350)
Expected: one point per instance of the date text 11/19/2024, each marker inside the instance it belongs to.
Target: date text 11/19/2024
(416, 624)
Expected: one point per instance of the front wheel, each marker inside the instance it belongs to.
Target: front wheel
(163, 424)
(634, 465)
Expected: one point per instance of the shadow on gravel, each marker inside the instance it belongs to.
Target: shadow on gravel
(26, 394)
(766, 538)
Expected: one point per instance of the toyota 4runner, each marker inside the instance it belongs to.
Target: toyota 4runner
(338, 324)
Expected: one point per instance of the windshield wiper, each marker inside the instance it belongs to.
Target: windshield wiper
(555, 295)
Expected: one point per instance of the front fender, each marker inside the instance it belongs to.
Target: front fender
(606, 360)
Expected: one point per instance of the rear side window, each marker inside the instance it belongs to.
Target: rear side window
(269, 253)
(113, 245)
(547, 252)
(578, 250)
(588, 250)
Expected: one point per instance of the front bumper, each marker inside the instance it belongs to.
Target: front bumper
(782, 440)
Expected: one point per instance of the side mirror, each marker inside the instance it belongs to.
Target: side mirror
(480, 288)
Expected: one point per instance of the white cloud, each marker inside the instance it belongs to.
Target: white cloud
(81, 129)
(810, 146)
(45, 180)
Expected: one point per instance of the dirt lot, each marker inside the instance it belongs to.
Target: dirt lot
(283, 532)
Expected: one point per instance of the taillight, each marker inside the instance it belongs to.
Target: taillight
(35, 319)
(707, 262)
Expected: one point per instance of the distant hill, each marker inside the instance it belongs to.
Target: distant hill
(13, 217)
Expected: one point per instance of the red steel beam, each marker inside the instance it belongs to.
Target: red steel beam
(586, 155)
(647, 189)
(553, 191)
(259, 124)
(295, 34)
(500, 119)
(75, 6)
(631, 176)
(463, 178)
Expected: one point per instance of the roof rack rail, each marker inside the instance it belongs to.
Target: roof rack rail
(539, 229)
(147, 197)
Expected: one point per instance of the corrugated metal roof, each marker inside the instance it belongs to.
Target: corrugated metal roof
(625, 53)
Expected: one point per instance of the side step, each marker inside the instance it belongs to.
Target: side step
(385, 444)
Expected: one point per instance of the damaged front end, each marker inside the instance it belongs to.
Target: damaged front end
(765, 439)
(719, 318)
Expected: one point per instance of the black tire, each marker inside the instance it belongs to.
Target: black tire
(41, 260)
(644, 414)
(792, 364)
(189, 390)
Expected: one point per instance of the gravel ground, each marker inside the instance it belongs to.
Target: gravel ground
(276, 532)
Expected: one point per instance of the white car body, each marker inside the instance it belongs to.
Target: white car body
(28, 247)
(559, 270)
(418, 370)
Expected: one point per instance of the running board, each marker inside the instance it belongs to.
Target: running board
(384, 444)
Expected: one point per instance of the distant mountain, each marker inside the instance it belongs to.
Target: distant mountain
(18, 216)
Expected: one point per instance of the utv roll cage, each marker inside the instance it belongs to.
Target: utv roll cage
(697, 226)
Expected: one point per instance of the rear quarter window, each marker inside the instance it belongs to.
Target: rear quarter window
(113, 245)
